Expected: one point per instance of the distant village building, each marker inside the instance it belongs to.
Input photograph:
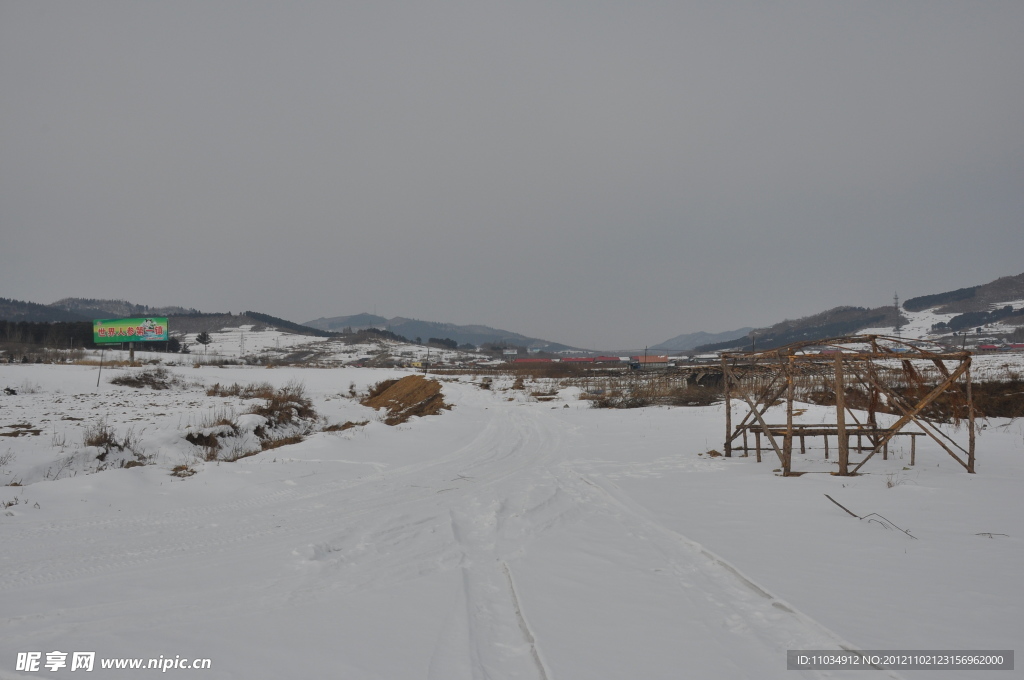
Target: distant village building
(649, 362)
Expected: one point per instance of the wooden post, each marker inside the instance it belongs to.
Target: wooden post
(825, 437)
(728, 411)
(746, 448)
(913, 449)
(787, 442)
(970, 418)
(131, 352)
(873, 398)
(757, 439)
(844, 443)
(803, 444)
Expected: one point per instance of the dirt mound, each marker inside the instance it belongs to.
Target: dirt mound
(413, 395)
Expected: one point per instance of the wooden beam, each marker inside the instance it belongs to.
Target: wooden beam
(766, 403)
(924, 425)
(907, 417)
(764, 428)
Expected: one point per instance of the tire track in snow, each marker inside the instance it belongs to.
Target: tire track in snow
(284, 512)
(731, 590)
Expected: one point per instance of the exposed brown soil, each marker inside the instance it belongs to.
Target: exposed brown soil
(21, 430)
(413, 395)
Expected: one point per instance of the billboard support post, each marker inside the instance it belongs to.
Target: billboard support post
(152, 329)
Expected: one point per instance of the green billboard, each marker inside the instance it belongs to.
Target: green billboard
(149, 329)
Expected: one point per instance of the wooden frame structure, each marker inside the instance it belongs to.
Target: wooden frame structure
(760, 379)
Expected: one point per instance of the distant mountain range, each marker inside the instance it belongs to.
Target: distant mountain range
(415, 328)
(688, 341)
(972, 299)
(81, 309)
(974, 304)
(181, 319)
(828, 324)
(185, 320)
(971, 302)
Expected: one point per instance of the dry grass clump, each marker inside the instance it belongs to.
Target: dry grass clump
(282, 405)
(618, 398)
(155, 378)
(278, 442)
(261, 390)
(694, 395)
(182, 471)
(102, 436)
(992, 399)
(1002, 399)
(289, 415)
(413, 395)
(210, 441)
(347, 425)
(286, 405)
(634, 391)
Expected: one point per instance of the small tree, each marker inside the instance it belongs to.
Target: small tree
(204, 339)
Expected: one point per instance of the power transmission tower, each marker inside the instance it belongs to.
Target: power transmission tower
(896, 304)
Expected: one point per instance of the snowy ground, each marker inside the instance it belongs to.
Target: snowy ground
(506, 538)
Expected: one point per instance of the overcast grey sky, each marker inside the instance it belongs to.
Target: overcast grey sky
(604, 174)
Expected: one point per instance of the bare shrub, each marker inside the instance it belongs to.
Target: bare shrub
(261, 390)
(29, 387)
(638, 390)
(286, 405)
(102, 436)
(694, 395)
(289, 417)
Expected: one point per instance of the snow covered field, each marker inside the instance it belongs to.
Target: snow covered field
(506, 538)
